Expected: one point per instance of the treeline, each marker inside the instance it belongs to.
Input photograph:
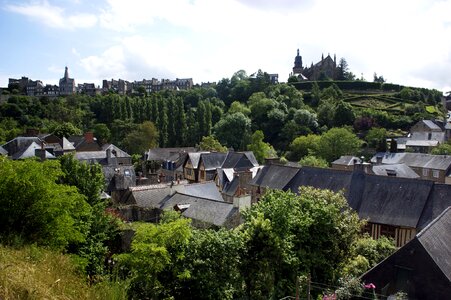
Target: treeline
(231, 111)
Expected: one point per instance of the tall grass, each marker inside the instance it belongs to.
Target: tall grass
(31, 272)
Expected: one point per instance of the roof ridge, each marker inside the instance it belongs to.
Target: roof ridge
(214, 200)
(419, 234)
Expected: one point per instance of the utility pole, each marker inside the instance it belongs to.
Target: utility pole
(308, 287)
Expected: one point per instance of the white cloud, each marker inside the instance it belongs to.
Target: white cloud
(53, 16)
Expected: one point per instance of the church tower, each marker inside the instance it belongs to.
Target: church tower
(297, 69)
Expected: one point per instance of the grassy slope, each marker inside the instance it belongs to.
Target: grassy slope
(35, 273)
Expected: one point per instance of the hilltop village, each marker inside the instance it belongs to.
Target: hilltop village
(325, 186)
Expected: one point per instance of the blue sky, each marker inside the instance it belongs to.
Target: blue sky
(406, 41)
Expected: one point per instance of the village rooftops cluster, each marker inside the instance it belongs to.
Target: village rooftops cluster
(67, 86)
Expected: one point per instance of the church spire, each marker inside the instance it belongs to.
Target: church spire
(66, 73)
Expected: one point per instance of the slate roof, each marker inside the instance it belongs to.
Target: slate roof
(236, 160)
(201, 209)
(230, 188)
(347, 160)
(30, 152)
(213, 160)
(331, 179)
(381, 199)
(420, 160)
(162, 154)
(194, 157)
(394, 201)
(399, 170)
(207, 190)
(118, 152)
(154, 196)
(438, 201)
(436, 240)
(422, 143)
(20, 143)
(3, 151)
(274, 176)
(431, 124)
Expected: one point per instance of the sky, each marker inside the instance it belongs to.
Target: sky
(406, 41)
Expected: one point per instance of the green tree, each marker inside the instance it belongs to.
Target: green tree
(209, 143)
(376, 138)
(162, 123)
(286, 235)
(66, 129)
(313, 161)
(33, 206)
(155, 263)
(303, 145)
(232, 130)
(261, 149)
(344, 114)
(102, 133)
(337, 142)
(144, 137)
(213, 260)
(442, 149)
(237, 106)
(181, 126)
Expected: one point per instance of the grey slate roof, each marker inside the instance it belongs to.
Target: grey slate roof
(420, 160)
(194, 157)
(431, 125)
(394, 201)
(230, 188)
(207, 190)
(3, 151)
(347, 160)
(274, 176)
(213, 160)
(381, 199)
(30, 152)
(438, 201)
(201, 209)
(118, 152)
(162, 154)
(400, 170)
(436, 240)
(236, 160)
(20, 144)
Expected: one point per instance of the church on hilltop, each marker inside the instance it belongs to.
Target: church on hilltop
(322, 70)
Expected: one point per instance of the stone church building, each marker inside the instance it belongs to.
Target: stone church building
(326, 68)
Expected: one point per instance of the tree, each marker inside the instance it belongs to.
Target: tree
(144, 137)
(66, 129)
(162, 123)
(286, 235)
(261, 149)
(379, 79)
(213, 260)
(303, 145)
(442, 149)
(103, 227)
(313, 161)
(237, 106)
(232, 130)
(34, 207)
(337, 142)
(102, 133)
(209, 143)
(344, 114)
(155, 263)
(376, 138)
(180, 126)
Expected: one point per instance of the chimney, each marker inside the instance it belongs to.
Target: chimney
(108, 155)
(89, 137)
(32, 132)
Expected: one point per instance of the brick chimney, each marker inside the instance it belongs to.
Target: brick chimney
(89, 137)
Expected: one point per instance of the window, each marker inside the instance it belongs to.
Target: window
(189, 172)
(425, 172)
(387, 230)
(435, 173)
(127, 173)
